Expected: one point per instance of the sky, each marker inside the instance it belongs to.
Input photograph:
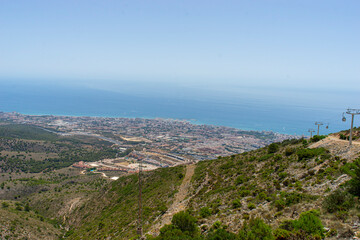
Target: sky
(227, 44)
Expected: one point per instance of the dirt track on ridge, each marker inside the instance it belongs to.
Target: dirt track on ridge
(179, 203)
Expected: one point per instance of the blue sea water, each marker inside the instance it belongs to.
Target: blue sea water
(283, 111)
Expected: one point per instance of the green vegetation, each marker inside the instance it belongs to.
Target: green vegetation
(262, 194)
(353, 170)
(273, 148)
(308, 226)
(339, 200)
(97, 220)
(49, 151)
(255, 229)
(184, 226)
(17, 221)
(317, 138)
(307, 153)
(26, 132)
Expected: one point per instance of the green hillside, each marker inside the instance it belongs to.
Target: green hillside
(280, 186)
(19, 221)
(291, 190)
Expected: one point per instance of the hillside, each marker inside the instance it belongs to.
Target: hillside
(275, 184)
(18, 221)
(274, 190)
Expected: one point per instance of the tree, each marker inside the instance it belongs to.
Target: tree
(256, 229)
(183, 227)
(185, 222)
(354, 183)
(273, 148)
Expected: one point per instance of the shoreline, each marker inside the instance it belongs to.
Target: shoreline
(190, 121)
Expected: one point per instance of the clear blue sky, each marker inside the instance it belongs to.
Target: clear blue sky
(295, 43)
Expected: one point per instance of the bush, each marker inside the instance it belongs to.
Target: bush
(280, 204)
(256, 229)
(185, 222)
(273, 148)
(4, 205)
(282, 234)
(183, 227)
(251, 206)
(221, 234)
(310, 223)
(354, 183)
(205, 212)
(236, 203)
(289, 151)
(240, 180)
(27, 208)
(317, 138)
(306, 153)
(171, 232)
(308, 226)
(339, 200)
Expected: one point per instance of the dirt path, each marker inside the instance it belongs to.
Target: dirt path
(71, 204)
(339, 147)
(340, 140)
(179, 203)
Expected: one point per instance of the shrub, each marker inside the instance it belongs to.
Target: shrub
(282, 175)
(317, 138)
(308, 226)
(251, 206)
(240, 180)
(306, 153)
(256, 229)
(221, 234)
(205, 212)
(280, 204)
(310, 223)
(289, 151)
(183, 227)
(273, 148)
(4, 205)
(171, 232)
(236, 203)
(265, 157)
(27, 207)
(354, 183)
(262, 196)
(185, 222)
(282, 234)
(339, 200)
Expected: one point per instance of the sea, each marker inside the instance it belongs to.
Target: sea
(288, 111)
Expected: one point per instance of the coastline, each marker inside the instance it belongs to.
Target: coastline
(191, 121)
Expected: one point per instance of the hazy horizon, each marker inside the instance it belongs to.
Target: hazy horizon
(281, 56)
(291, 44)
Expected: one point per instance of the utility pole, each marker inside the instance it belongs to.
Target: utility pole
(311, 131)
(352, 112)
(318, 124)
(140, 230)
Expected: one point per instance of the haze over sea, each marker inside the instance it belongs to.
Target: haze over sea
(249, 108)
